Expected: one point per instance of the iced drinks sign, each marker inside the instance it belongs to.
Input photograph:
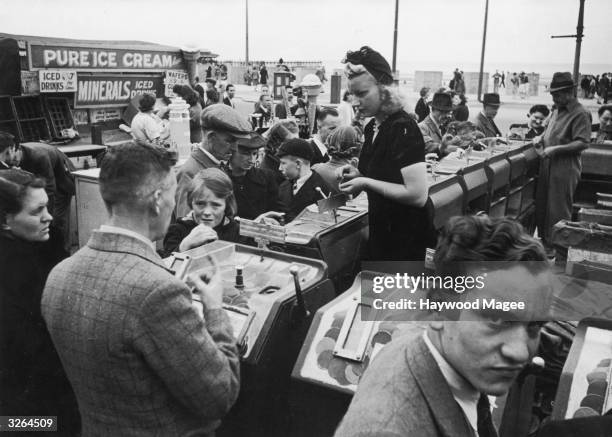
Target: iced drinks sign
(114, 90)
(57, 81)
(91, 58)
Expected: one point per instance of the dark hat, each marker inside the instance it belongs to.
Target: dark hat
(442, 102)
(146, 102)
(374, 62)
(561, 81)
(224, 118)
(255, 141)
(295, 147)
(491, 99)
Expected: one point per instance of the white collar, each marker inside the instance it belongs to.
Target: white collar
(210, 155)
(317, 140)
(123, 231)
(464, 393)
(301, 181)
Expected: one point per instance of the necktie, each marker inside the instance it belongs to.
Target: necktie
(485, 421)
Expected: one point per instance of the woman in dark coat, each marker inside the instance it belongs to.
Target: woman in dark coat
(391, 164)
(32, 379)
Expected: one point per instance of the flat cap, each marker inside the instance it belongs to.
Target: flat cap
(255, 141)
(295, 147)
(220, 117)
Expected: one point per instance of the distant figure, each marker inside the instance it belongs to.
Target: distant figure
(496, 81)
(345, 110)
(514, 80)
(247, 76)
(461, 112)
(503, 79)
(523, 85)
(211, 96)
(209, 72)
(255, 77)
(228, 99)
(263, 74)
(604, 87)
(422, 109)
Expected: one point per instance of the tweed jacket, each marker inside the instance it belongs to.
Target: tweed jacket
(486, 126)
(140, 358)
(196, 162)
(403, 393)
(431, 135)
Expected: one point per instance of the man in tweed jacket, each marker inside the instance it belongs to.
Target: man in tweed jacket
(140, 358)
(437, 384)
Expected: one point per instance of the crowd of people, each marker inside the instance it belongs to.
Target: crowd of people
(107, 339)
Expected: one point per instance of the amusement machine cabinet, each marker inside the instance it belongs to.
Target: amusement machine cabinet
(338, 349)
(270, 298)
(594, 191)
(334, 230)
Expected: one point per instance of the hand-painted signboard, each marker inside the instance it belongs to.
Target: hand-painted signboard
(109, 91)
(94, 58)
(57, 81)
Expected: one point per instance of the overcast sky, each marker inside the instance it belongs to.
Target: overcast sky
(431, 32)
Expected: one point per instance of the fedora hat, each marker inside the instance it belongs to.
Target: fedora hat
(491, 99)
(561, 81)
(442, 102)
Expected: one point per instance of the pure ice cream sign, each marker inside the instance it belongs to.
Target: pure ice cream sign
(92, 58)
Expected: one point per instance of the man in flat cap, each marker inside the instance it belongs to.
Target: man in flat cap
(303, 186)
(568, 133)
(222, 126)
(484, 120)
(255, 189)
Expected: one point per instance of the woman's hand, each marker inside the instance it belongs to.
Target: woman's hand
(354, 186)
(198, 236)
(347, 172)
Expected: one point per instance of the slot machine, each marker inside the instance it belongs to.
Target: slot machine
(270, 298)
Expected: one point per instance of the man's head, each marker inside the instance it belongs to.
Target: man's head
(223, 126)
(605, 118)
(537, 116)
(10, 152)
(265, 100)
(289, 89)
(562, 89)
(245, 156)
(139, 181)
(490, 104)
(210, 84)
(265, 90)
(489, 347)
(146, 103)
(328, 119)
(295, 156)
(230, 90)
(442, 108)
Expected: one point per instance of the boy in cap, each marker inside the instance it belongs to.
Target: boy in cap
(303, 186)
(222, 126)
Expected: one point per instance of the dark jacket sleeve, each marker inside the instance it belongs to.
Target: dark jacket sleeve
(175, 235)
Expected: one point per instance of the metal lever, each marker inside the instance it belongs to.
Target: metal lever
(300, 306)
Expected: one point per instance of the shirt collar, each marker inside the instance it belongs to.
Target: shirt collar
(129, 233)
(464, 393)
(298, 183)
(210, 156)
(317, 140)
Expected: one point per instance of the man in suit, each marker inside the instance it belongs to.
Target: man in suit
(228, 99)
(328, 120)
(431, 127)
(302, 185)
(49, 163)
(437, 383)
(222, 126)
(484, 120)
(141, 359)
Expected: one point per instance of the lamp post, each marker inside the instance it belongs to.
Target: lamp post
(395, 38)
(247, 30)
(484, 40)
(578, 36)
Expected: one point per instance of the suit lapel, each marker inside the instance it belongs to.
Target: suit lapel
(202, 158)
(434, 128)
(445, 410)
